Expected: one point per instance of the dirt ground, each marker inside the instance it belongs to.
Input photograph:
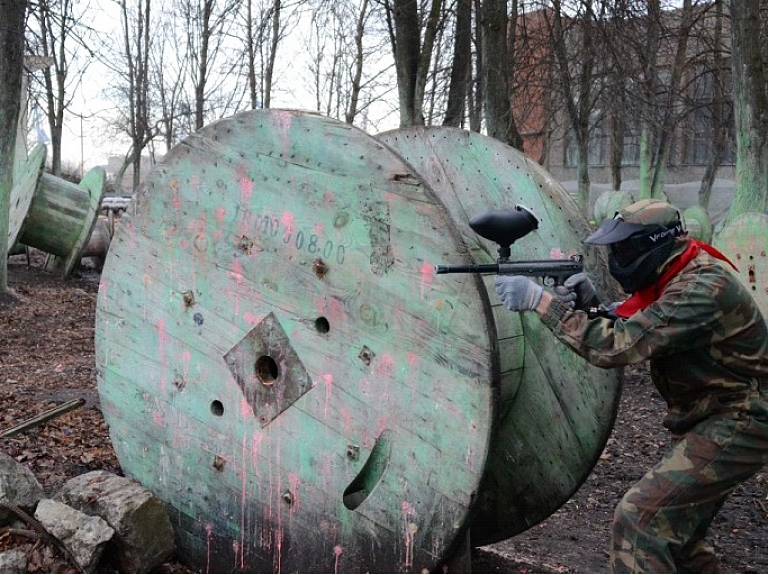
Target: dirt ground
(47, 358)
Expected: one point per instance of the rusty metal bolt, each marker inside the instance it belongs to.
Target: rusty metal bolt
(287, 497)
(320, 268)
(189, 298)
(366, 355)
(353, 452)
(245, 244)
(218, 463)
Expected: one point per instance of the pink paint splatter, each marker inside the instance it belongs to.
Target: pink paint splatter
(245, 409)
(427, 275)
(337, 550)
(236, 551)
(386, 364)
(237, 272)
(220, 214)
(246, 187)
(556, 254)
(287, 220)
(293, 482)
(162, 337)
(208, 535)
(409, 532)
(175, 199)
(252, 319)
(328, 379)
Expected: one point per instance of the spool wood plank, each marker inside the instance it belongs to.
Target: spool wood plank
(556, 410)
(27, 174)
(277, 361)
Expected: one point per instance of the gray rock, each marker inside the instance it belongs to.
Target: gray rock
(18, 486)
(13, 561)
(144, 535)
(85, 536)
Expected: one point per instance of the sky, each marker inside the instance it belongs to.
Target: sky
(86, 141)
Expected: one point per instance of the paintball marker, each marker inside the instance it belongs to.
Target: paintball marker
(504, 228)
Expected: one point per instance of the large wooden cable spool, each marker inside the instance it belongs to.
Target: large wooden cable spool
(278, 362)
(53, 214)
(556, 411)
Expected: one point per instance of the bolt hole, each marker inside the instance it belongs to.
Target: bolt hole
(322, 325)
(266, 370)
(217, 408)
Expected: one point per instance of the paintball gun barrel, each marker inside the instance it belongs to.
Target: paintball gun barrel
(504, 228)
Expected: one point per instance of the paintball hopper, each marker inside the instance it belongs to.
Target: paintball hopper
(505, 227)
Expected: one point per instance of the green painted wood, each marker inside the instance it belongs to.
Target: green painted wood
(745, 241)
(278, 362)
(61, 218)
(27, 175)
(556, 410)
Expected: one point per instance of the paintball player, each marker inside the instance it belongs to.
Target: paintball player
(707, 343)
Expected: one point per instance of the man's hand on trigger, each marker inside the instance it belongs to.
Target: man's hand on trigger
(577, 292)
(518, 293)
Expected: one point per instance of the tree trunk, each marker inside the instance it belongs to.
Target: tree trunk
(751, 108)
(12, 14)
(718, 121)
(270, 68)
(495, 74)
(359, 61)
(649, 90)
(461, 69)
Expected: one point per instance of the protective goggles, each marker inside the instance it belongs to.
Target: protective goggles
(641, 242)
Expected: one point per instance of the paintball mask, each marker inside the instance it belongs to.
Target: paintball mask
(640, 239)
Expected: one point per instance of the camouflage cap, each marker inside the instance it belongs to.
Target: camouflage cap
(651, 212)
(636, 218)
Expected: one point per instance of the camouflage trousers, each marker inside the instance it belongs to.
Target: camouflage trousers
(661, 522)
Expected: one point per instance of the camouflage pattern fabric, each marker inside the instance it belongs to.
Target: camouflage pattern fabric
(707, 343)
(705, 338)
(660, 524)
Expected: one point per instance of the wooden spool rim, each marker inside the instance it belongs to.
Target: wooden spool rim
(29, 173)
(94, 183)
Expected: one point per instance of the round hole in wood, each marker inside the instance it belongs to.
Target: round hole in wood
(266, 370)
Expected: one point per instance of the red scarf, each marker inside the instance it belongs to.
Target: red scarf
(642, 298)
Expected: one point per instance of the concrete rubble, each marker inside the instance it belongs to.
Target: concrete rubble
(94, 517)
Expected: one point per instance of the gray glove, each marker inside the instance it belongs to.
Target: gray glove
(518, 293)
(577, 292)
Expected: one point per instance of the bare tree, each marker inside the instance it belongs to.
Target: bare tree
(750, 82)
(59, 37)
(495, 72)
(720, 117)
(205, 25)
(575, 52)
(265, 25)
(461, 68)
(131, 65)
(412, 55)
(167, 72)
(12, 16)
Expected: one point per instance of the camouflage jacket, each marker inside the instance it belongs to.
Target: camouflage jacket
(705, 337)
